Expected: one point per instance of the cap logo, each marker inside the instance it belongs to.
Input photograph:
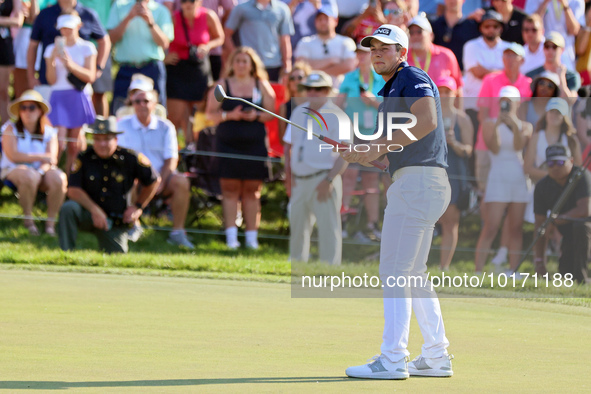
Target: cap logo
(314, 77)
(383, 30)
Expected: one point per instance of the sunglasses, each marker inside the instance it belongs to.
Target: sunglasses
(553, 163)
(296, 77)
(188, 1)
(29, 107)
(550, 46)
(138, 101)
(316, 89)
(397, 12)
(546, 83)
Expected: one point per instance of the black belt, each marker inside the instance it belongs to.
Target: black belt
(311, 175)
(138, 65)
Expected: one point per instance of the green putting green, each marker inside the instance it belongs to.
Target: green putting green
(118, 333)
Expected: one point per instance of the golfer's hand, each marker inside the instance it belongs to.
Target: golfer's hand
(131, 214)
(363, 158)
(323, 190)
(99, 218)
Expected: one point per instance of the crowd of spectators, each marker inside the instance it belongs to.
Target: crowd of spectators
(488, 59)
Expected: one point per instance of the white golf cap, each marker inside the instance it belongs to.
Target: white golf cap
(421, 22)
(558, 104)
(141, 82)
(510, 92)
(68, 21)
(388, 34)
(515, 48)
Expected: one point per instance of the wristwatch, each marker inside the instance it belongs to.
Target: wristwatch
(139, 206)
(329, 179)
(99, 68)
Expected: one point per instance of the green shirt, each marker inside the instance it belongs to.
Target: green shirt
(137, 44)
(102, 8)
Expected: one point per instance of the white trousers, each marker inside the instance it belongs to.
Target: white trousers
(305, 210)
(416, 200)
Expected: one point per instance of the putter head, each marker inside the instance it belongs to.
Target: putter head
(219, 93)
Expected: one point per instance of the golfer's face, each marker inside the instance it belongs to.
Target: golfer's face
(385, 58)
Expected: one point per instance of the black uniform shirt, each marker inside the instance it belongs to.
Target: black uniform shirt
(548, 191)
(107, 181)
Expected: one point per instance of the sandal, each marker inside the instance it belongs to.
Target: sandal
(33, 230)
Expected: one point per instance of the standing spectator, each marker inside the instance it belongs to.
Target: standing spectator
(437, 61)
(367, 22)
(553, 49)
(360, 88)
(583, 48)
(44, 33)
(99, 204)
(506, 189)
(316, 190)
(169, 4)
(188, 69)
(11, 16)
(29, 158)
(349, 9)
(222, 8)
(104, 79)
(294, 95)
(155, 137)
(453, 31)
(396, 13)
(30, 10)
(431, 8)
(533, 39)
(70, 66)
(241, 131)
(564, 17)
(328, 51)
(271, 40)
(513, 18)
(576, 236)
(459, 135)
(140, 31)
(303, 14)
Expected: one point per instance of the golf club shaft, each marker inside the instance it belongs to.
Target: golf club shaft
(340, 145)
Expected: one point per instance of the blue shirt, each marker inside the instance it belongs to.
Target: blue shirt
(351, 86)
(454, 38)
(45, 32)
(408, 85)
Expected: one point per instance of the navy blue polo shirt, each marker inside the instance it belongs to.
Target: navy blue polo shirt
(408, 85)
(454, 38)
(45, 32)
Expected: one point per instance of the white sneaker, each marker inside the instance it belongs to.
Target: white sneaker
(180, 239)
(135, 233)
(380, 367)
(500, 257)
(233, 245)
(252, 245)
(436, 367)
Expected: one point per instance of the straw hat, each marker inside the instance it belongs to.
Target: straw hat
(29, 95)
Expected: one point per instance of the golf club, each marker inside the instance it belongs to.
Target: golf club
(220, 95)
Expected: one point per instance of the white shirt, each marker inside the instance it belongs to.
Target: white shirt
(157, 141)
(311, 156)
(26, 144)
(78, 53)
(313, 48)
(476, 52)
(557, 22)
(533, 60)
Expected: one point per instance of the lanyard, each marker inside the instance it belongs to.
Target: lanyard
(418, 63)
(369, 85)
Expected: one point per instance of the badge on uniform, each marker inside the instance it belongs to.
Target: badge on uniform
(119, 178)
(143, 160)
(76, 166)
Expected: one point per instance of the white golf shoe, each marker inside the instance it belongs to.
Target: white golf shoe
(435, 367)
(380, 367)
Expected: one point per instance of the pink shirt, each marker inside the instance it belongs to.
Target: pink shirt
(443, 64)
(489, 96)
(198, 33)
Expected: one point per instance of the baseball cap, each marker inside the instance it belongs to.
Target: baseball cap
(516, 48)
(388, 34)
(69, 21)
(556, 38)
(327, 10)
(558, 152)
(421, 22)
(492, 15)
(141, 82)
(558, 104)
(317, 79)
(447, 82)
(510, 92)
(362, 48)
(549, 75)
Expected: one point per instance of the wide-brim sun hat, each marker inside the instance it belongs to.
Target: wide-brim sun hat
(103, 126)
(29, 95)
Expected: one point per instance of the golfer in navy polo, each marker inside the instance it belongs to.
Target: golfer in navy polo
(418, 196)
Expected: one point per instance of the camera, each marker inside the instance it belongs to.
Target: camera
(505, 105)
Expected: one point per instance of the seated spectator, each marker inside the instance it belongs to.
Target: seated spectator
(145, 84)
(452, 30)
(270, 40)
(396, 12)
(359, 95)
(241, 131)
(545, 86)
(155, 137)
(533, 42)
(70, 66)
(564, 17)
(140, 32)
(553, 48)
(366, 23)
(303, 13)
(316, 190)
(583, 48)
(576, 236)
(188, 70)
(100, 182)
(11, 16)
(555, 127)
(328, 51)
(435, 60)
(29, 158)
(459, 135)
(506, 189)
(513, 18)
